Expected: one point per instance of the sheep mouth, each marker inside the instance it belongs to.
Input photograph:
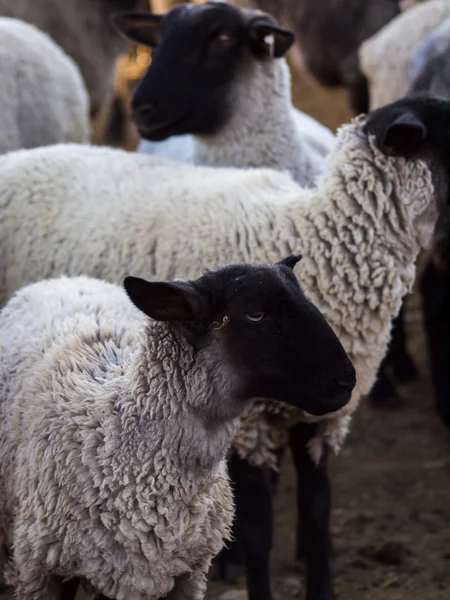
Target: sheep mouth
(158, 132)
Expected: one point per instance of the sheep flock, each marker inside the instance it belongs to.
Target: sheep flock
(224, 351)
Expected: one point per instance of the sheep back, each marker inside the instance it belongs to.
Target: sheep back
(43, 99)
(385, 58)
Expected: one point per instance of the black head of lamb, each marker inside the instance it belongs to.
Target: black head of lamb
(417, 126)
(256, 332)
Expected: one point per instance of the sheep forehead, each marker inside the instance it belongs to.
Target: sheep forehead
(197, 12)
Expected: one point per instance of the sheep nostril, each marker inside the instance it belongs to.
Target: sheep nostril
(145, 111)
(347, 379)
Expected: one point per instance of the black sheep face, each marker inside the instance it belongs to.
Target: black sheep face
(417, 126)
(257, 334)
(198, 50)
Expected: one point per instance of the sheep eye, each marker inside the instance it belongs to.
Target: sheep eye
(224, 38)
(255, 317)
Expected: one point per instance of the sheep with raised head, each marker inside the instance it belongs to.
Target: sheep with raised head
(43, 99)
(114, 427)
(218, 72)
(386, 58)
(360, 231)
(83, 30)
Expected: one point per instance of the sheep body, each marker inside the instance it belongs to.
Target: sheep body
(429, 68)
(43, 98)
(128, 519)
(82, 29)
(386, 57)
(318, 142)
(360, 231)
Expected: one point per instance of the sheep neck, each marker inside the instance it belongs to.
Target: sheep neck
(261, 131)
(166, 409)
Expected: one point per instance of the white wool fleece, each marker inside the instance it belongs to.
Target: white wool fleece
(43, 98)
(386, 57)
(107, 213)
(107, 470)
(263, 130)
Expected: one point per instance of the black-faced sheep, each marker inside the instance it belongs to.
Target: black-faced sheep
(218, 72)
(115, 427)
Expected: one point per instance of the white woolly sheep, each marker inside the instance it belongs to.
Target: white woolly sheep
(83, 30)
(91, 210)
(386, 57)
(235, 97)
(43, 99)
(114, 428)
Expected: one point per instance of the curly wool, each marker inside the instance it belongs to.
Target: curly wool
(264, 129)
(105, 469)
(386, 58)
(360, 231)
(43, 98)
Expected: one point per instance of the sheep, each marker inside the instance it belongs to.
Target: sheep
(328, 35)
(360, 232)
(114, 428)
(429, 69)
(83, 30)
(394, 63)
(235, 97)
(386, 57)
(43, 99)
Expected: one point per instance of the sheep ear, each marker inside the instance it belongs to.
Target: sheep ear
(290, 261)
(137, 26)
(269, 40)
(405, 135)
(164, 301)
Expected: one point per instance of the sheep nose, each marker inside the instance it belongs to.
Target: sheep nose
(144, 111)
(347, 379)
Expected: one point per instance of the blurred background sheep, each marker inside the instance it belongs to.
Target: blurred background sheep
(392, 481)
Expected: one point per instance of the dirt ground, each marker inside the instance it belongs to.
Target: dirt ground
(391, 515)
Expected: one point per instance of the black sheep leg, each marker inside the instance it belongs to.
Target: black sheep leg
(314, 507)
(69, 589)
(402, 364)
(435, 290)
(253, 525)
(398, 359)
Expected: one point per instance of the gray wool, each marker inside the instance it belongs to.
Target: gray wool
(111, 459)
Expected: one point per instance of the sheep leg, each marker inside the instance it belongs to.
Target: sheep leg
(191, 586)
(253, 524)
(398, 356)
(435, 292)
(39, 588)
(314, 507)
